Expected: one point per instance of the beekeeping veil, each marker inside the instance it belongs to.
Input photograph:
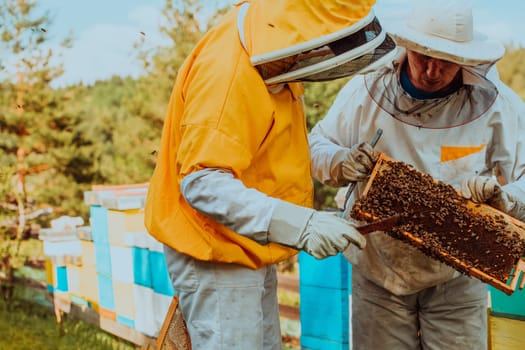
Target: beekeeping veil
(312, 40)
(444, 30)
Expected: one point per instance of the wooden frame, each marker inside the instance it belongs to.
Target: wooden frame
(174, 334)
(508, 286)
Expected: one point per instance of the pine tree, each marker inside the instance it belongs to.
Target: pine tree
(31, 122)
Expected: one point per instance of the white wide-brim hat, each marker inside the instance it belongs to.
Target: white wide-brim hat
(444, 29)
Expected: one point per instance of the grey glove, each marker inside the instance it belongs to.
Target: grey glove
(484, 189)
(320, 234)
(354, 164)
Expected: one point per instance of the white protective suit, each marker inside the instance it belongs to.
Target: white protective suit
(476, 119)
(468, 133)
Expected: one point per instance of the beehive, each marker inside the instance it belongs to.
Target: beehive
(475, 239)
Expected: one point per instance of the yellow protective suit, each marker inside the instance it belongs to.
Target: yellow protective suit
(222, 115)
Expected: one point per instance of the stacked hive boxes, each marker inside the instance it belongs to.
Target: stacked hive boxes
(67, 257)
(152, 288)
(123, 274)
(134, 286)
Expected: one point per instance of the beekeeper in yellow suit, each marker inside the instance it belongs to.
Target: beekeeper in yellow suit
(232, 190)
(442, 114)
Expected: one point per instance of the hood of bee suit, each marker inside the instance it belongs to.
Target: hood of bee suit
(312, 40)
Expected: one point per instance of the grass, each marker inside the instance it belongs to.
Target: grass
(29, 326)
(27, 322)
(25, 325)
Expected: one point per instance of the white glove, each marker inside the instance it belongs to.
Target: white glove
(320, 234)
(354, 164)
(484, 189)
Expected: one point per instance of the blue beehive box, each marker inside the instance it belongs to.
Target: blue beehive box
(106, 297)
(126, 321)
(61, 279)
(332, 272)
(99, 224)
(324, 308)
(316, 343)
(324, 318)
(141, 267)
(159, 274)
(511, 306)
(103, 258)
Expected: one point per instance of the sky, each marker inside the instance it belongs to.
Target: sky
(104, 31)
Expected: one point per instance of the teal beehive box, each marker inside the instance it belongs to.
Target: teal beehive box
(511, 306)
(61, 279)
(142, 274)
(159, 274)
(105, 292)
(324, 307)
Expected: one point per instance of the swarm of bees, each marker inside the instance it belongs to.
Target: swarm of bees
(442, 220)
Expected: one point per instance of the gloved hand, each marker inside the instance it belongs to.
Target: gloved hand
(484, 189)
(321, 234)
(357, 162)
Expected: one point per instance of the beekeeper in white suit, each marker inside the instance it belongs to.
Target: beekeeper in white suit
(441, 114)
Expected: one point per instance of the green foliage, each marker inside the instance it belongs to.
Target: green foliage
(31, 249)
(112, 142)
(21, 252)
(32, 122)
(318, 99)
(512, 70)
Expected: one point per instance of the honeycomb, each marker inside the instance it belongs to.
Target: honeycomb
(474, 239)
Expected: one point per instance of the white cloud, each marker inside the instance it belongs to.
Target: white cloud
(102, 50)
